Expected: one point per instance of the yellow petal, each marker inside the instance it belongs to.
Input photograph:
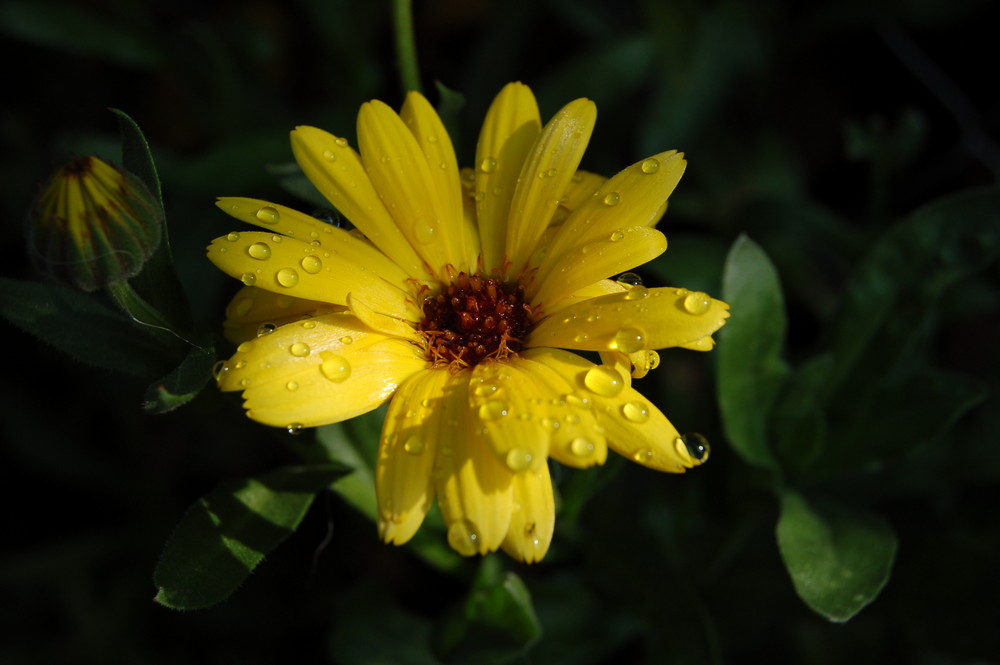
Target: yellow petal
(632, 320)
(582, 186)
(253, 310)
(532, 522)
(336, 171)
(291, 267)
(634, 197)
(459, 233)
(511, 126)
(410, 440)
(319, 371)
(381, 322)
(399, 170)
(548, 170)
(472, 485)
(292, 223)
(621, 250)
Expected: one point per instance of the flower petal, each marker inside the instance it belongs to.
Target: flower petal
(383, 323)
(403, 481)
(548, 170)
(307, 228)
(319, 371)
(336, 171)
(533, 519)
(639, 318)
(473, 487)
(251, 308)
(511, 126)
(398, 168)
(291, 267)
(636, 196)
(459, 233)
(623, 249)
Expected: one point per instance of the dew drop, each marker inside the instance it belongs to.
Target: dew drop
(299, 349)
(635, 411)
(479, 196)
(292, 386)
(268, 215)
(311, 264)
(248, 278)
(485, 388)
(581, 446)
(518, 459)
(629, 279)
(294, 429)
(308, 325)
(697, 303)
(341, 141)
(628, 340)
(346, 339)
(617, 236)
(637, 293)
(329, 155)
(233, 237)
(581, 338)
(463, 538)
(414, 445)
(335, 368)
(650, 166)
(612, 199)
(692, 445)
(266, 329)
(576, 401)
(604, 380)
(488, 165)
(244, 347)
(259, 251)
(218, 369)
(643, 456)
(493, 409)
(287, 277)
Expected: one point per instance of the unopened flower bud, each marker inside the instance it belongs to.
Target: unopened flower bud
(94, 225)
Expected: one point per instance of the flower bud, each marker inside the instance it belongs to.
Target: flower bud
(94, 225)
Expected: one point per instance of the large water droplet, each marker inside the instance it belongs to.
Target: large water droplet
(628, 340)
(488, 165)
(635, 411)
(248, 278)
(287, 277)
(299, 349)
(463, 537)
(335, 368)
(233, 236)
(692, 445)
(268, 215)
(414, 445)
(604, 380)
(629, 279)
(311, 264)
(218, 369)
(643, 456)
(266, 329)
(650, 166)
(493, 410)
(519, 459)
(581, 446)
(292, 386)
(637, 293)
(612, 199)
(697, 303)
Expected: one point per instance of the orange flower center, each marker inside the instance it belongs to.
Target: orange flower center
(475, 318)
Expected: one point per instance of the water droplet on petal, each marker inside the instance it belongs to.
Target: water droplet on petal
(518, 459)
(311, 264)
(335, 368)
(248, 278)
(308, 325)
(266, 329)
(218, 369)
(697, 303)
(493, 410)
(629, 279)
(346, 339)
(692, 445)
(617, 236)
(488, 165)
(635, 411)
(287, 277)
(414, 445)
(294, 429)
(329, 155)
(233, 237)
(581, 446)
(299, 349)
(604, 380)
(612, 199)
(342, 142)
(485, 388)
(463, 537)
(643, 456)
(637, 293)
(650, 166)
(268, 215)
(628, 340)
(292, 386)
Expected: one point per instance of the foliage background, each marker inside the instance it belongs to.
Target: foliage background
(812, 128)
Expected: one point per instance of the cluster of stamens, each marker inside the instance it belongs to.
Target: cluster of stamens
(474, 318)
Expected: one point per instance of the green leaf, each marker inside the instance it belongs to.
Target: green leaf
(799, 423)
(839, 559)
(183, 384)
(81, 325)
(750, 368)
(228, 532)
(496, 623)
(137, 158)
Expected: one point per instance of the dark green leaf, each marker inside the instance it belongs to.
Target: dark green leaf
(81, 325)
(136, 155)
(838, 559)
(799, 423)
(228, 532)
(183, 384)
(751, 370)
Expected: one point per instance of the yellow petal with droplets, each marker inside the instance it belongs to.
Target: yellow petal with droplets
(601, 288)
(500, 398)
(318, 371)
(403, 482)
(623, 249)
(472, 485)
(306, 228)
(380, 322)
(253, 310)
(533, 519)
(582, 186)
(458, 233)
(634, 197)
(336, 171)
(638, 318)
(291, 267)
(511, 126)
(548, 170)
(398, 169)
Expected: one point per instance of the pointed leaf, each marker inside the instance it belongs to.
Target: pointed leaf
(183, 384)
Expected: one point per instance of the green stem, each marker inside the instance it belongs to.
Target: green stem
(406, 45)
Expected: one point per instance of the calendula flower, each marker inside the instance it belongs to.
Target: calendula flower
(460, 296)
(94, 225)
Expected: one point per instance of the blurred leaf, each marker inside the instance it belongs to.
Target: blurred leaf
(78, 28)
(798, 425)
(183, 384)
(229, 531)
(450, 102)
(838, 559)
(81, 325)
(496, 623)
(358, 487)
(750, 367)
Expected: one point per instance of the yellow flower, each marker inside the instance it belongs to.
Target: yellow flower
(456, 297)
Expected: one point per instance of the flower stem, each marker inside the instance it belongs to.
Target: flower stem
(406, 46)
